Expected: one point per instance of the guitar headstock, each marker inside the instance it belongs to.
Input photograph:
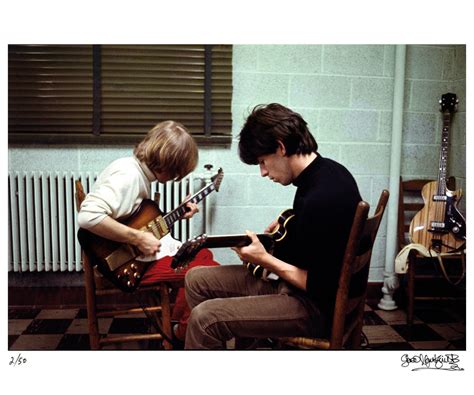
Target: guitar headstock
(188, 251)
(449, 102)
(217, 178)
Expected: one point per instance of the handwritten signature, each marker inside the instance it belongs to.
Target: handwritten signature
(436, 362)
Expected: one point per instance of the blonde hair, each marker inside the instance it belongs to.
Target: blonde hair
(168, 148)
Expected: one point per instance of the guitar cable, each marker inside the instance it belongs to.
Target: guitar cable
(153, 321)
(364, 342)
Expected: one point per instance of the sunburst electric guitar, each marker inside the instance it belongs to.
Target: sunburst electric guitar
(274, 242)
(439, 226)
(118, 261)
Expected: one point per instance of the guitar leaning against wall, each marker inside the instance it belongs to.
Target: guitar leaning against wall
(439, 226)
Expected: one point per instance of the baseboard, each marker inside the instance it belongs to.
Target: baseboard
(57, 297)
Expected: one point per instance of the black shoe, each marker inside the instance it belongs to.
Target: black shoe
(178, 344)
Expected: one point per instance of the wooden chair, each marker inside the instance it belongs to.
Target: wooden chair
(156, 297)
(410, 201)
(351, 293)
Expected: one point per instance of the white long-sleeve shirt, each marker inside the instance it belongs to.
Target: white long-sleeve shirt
(117, 192)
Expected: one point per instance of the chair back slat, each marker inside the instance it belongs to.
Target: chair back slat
(413, 206)
(352, 288)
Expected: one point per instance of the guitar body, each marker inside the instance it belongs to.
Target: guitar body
(101, 247)
(281, 239)
(116, 260)
(439, 225)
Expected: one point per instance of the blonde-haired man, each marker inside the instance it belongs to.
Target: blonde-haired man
(168, 152)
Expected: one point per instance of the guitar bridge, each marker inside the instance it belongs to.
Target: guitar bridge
(120, 256)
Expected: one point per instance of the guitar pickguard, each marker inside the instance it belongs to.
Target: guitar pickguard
(439, 225)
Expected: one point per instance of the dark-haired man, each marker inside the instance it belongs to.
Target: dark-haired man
(228, 301)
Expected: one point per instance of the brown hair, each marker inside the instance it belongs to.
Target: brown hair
(266, 126)
(168, 148)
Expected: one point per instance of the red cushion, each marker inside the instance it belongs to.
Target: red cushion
(160, 270)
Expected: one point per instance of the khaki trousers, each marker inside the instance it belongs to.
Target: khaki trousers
(229, 302)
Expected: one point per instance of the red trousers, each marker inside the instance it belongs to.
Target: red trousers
(161, 271)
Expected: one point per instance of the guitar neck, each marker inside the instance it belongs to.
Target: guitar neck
(227, 241)
(242, 240)
(443, 157)
(173, 216)
(448, 104)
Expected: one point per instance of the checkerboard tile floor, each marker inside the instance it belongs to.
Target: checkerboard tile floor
(436, 327)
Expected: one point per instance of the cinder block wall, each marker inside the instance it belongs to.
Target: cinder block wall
(345, 94)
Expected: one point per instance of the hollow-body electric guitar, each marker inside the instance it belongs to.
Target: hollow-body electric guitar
(274, 242)
(439, 226)
(118, 261)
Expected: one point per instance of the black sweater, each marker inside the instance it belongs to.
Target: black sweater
(324, 207)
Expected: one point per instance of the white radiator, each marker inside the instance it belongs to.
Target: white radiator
(43, 220)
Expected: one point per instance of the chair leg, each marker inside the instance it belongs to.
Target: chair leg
(94, 334)
(411, 288)
(355, 337)
(166, 314)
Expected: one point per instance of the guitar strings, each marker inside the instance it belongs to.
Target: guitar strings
(179, 211)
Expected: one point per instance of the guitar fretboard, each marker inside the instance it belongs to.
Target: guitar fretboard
(179, 211)
(443, 158)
